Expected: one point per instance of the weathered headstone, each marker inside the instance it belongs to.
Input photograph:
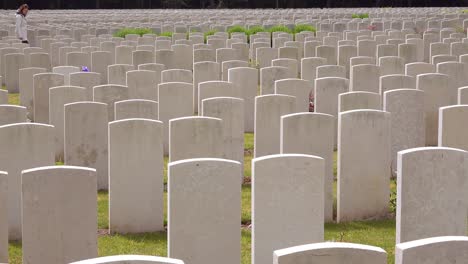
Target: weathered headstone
(136, 108)
(204, 191)
(293, 178)
(46, 215)
(331, 252)
(268, 112)
(364, 147)
(86, 138)
(25, 146)
(42, 83)
(109, 94)
(447, 170)
(136, 202)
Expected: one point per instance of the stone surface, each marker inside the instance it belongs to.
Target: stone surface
(295, 138)
(188, 138)
(47, 217)
(130, 259)
(437, 93)
(331, 253)
(136, 184)
(86, 80)
(26, 84)
(447, 170)
(364, 146)
(117, 73)
(396, 81)
(136, 108)
(176, 75)
(364, 77)
(13, 62)
(204, 192)
(406, 107)
(175, 100)
(434, 250)
(245, 81)
(109, 94)
(269, 75)
(10, 114)
(42, 83)
(268, 112)
(142, 85)
(86, 135)
(452, 130)
(58, 98)
(25, 146)
(293, 178)
(231, 111)
(4, 218)
(298, 88)
(359, 100)
(66, 71)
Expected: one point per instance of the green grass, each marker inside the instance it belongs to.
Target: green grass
(280, 28)
(302, 27)
(126, 31)
(361, 16)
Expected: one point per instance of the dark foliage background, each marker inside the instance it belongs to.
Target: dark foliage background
(104, 4)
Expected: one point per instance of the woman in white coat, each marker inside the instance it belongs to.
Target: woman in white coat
(22, 23)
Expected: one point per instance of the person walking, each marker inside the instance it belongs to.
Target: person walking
(22, 23)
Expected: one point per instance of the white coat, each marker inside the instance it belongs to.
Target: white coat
(21, 27)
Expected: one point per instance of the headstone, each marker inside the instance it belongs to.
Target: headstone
(78, 59)
(175, 100)
(331, 252)
(25, 146)
(142, 57)
(43, 205)
(268, 112)
(130, 259)
(231, 64)
(187, 138)
(245, 81)
(215, 89)
(391, 65)
(86, 138)
(86, 80)
(309, 67)
(136, 108)
(203, 72)
(296, 131)
(177, 75)
(142, 85)
(432, 250)
(11, 114)
(327, 52)
(416, 68)
(154, 67)
(269, 75)
(66, 71)
(58, 98)
(42, 83)
(109, 94)
(123, 54)
(331, 71)
(204, 191)
(117, 73)
(231, 111)
(437, 93)
(447, 170)
(364, 77)
(4, 219)
(298, 88)
(451, 129)
(364, 147)
(359, 100)
(293, 178)
(13, 63)
(26, 85)
(136, 202)
(396, 81)
(100, 60)
(406, 107)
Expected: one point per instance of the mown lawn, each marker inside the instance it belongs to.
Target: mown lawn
(377, 233)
